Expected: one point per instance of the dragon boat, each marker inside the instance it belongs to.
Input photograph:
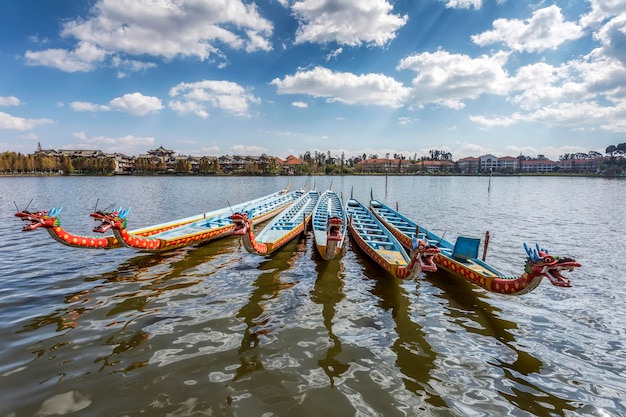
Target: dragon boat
(329, 225)
(380, 245)
(461, 259)
(50, 221)
(281, 229)
(213, 225)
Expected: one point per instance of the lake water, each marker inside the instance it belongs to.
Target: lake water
(216, 331)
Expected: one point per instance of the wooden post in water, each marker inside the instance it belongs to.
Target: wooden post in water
(486, 245)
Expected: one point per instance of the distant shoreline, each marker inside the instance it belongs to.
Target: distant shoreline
(373, 174)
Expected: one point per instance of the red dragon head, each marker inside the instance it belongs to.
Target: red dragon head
(426, 254)
(38, 219)
(115, 219)
(540, 262)
(241, 222)
(333, 232)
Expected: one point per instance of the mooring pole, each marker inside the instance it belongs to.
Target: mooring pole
(486, 245)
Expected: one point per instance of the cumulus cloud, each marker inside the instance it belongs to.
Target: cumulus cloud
(224, 95)
(137, 104)
(546, 29)
(601, 10)
(9, 101)
(448, 79)
(167, 29)
(19, 123)
(83, 58)
(612, 36)
(344, 87)
(371, 22)
(300, 104)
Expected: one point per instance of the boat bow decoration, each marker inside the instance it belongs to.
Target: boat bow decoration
(50, 221)
(379, 244)
(281, 230)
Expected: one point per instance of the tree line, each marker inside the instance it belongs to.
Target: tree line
(315, 162)
(11, 162)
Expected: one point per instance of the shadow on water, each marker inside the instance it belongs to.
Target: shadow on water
(328, 291)
(465, 301)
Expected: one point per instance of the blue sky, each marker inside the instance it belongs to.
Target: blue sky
(217, 77)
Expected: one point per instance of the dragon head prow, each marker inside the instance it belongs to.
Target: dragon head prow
(425, 254)
(241, 222)
(540, 262)
(39, 218)
(110, 219)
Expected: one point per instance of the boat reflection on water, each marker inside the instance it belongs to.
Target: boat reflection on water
(257, 318)
(124, 302)
(471, 309)
(328, 292)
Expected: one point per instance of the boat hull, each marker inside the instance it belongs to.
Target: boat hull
(378, 243)
(329, 225)
(282, 229)
(471, 268)
(211, 226)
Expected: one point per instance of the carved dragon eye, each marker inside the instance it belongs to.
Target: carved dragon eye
(548, 259)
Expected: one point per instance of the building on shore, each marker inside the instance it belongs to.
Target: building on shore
(162, 160)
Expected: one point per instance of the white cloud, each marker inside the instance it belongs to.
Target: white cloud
(496, 121)
(347, 22)
(9, 101)
(448, 79)
(137, 104)
(164, 28)
(613, 38)
(181, 107)
(344, 87)
(464, 4)
(602, 10)
(544, 30)
(83, 58)
(86, 106)
(333, 54)
(225, 95)
(18, 123)
(300, 104)
(576, 114)
(130, 65)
